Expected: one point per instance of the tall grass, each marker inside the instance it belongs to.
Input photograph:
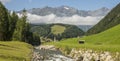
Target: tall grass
(15, 51)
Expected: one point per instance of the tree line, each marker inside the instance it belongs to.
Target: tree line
(110, 20)
(44, 30)
(15, 28)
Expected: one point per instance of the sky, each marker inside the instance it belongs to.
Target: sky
(16, 5)
(78, 4)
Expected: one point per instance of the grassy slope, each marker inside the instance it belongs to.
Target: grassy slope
(57, 29)
(111, 36)
(15, 51)
(106, 41)
(110, 20)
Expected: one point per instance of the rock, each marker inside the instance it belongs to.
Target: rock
(50, 53)
(79, 58)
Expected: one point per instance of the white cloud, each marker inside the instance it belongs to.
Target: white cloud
(74, 20)
(5, 1)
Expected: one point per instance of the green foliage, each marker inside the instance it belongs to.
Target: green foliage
(112, 19)
(108, 40)
(14, 28)
(13, 18)
(15, 51)
(110, 36)
(33, 39)
(72, 31)
(18, 29)
(22, 31)
(69, 31)
(4, 23)
(42, 30)
(57, 31)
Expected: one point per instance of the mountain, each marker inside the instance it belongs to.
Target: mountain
(85, 28)
(110, 20)
(110, 36)
(99, 12)
(108, 40)
(66, 11)
(58, 31)
(63, 13)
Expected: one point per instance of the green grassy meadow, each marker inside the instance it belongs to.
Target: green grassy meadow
(108, 40)
(57, 29)
(15, 51)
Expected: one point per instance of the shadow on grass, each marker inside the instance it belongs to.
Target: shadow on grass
(8, 46)
(13, 58)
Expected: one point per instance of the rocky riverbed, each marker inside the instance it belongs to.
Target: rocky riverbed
(90, 55)
(50, 53)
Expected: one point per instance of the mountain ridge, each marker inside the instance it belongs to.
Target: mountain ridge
(110, 20)
(67, 11)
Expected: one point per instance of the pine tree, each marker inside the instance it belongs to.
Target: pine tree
(19, 33)
(22, 28)
(22, 31)
(4, 23)
(13, 18)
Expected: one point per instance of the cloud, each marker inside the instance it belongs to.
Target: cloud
(5, 1)
(74, 20)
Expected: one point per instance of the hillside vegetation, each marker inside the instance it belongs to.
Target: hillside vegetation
(13, 27)
(14, 36)
(42, 29)
(108, 40)
(58, 31)
(15, 51)
(110, 36)
(112, 19)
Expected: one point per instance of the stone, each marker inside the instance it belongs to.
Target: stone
(79, 58)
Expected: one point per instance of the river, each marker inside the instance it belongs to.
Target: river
(49, 53)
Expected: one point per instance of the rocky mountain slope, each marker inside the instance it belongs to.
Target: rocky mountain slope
(66, 11)
(112, 19)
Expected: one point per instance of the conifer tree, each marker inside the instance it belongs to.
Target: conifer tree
(19, 33)
(4, 23)
(13, 18)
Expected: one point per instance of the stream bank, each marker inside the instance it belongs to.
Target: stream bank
(51, 53)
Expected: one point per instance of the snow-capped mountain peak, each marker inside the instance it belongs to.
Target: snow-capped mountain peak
(66, 8)
(66, 11)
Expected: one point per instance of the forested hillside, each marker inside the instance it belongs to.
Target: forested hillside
(112, 19)
(58, 31)
(14, 28)
(108, 40)
(15, 35)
